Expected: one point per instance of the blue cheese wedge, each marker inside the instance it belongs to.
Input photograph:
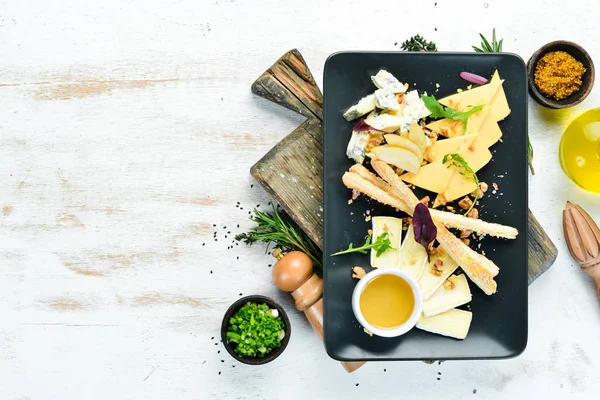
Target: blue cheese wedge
(385, 80)
(414, 110)
(454, 292)
(357, 146)
(454, 323)
(386, 100)
(364, 106)
(386, 122)
(413, 256)
(393, 226)
(439, 268)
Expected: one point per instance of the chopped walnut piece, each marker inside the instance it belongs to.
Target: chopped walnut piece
(449, 283)
(358, 272)
(407, 220)
(465, 203)
(441, 200)
(444, 131)
(432, 250)
(450, 208)
(437, 268)
(472, 147)
(483, 187)
(494, 185)
(355, 194)
(465, 233)
(473, 214)
(400, 97)
(425, 200)
(466, 241)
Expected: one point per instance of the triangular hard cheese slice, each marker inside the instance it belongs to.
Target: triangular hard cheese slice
(480, 95)
(499, 105)
(440, 148)
(433, 177)
(461, 185)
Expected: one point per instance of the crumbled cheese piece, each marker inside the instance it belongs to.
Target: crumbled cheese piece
(368, 332)
(368, 218)
(350, 201)
(465, 233)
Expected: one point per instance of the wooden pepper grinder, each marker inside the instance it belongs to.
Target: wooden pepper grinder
(293, 272)
(583, 239)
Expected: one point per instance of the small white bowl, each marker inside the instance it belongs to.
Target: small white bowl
(400, 329)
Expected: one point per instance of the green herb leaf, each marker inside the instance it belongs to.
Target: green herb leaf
(273, 228)
(380, 245)
(530, 155)
(418, 43)
(455, 160)
(439, 111)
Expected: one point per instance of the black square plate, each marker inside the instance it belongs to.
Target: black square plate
(499, 326)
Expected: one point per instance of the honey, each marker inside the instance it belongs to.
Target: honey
(387, 301)
(580, 150)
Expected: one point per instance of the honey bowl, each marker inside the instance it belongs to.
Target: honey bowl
(387, 302)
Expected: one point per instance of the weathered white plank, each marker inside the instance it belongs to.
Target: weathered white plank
(127, 131)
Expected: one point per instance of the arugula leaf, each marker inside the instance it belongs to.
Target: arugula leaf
(439, 111)
(457, 161)
(381, 245)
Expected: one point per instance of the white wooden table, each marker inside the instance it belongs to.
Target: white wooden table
(127, 129)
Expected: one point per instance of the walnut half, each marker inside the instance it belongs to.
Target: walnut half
(437, 268)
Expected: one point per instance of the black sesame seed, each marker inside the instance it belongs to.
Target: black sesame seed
(439, 379)
(396, 44)
(214, 224)
(233, 366)
(224, 227)
(212, 338)
(228, 232)
(241, 208)
(474, 391)
(384, 370)
(222, 360)
(219, 372)
(215, 239)
(439, 373)
(357, 384)
(238, 257)
(216, 344)
(211, 271)
(240, 294)
(219, 352)
(238, 225)
(251, 186)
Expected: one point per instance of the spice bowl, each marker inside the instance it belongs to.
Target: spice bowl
(579, 54)
(230, 346)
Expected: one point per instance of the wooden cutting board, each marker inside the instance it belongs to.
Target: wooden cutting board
(292, 170)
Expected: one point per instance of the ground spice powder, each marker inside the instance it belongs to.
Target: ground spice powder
(558, 75)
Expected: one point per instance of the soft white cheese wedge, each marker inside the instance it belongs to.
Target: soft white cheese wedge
(386, 100)
(357, 146)
(393, 226)
(431, 279)
(454, 292)
(365, 105)
(385, 80)
(454, 323)
(413, 256)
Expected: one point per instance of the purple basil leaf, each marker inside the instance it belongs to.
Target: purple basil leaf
(362, 126)
(423, 226)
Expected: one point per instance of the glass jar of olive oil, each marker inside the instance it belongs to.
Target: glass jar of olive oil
(580, 150)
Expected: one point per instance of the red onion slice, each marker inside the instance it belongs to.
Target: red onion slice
(473, 78)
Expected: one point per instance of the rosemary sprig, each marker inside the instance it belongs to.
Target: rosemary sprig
(418, 43)
(274, 228)
(486, 47)
(381, 244)
(455, 160)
